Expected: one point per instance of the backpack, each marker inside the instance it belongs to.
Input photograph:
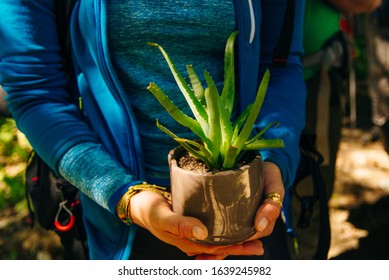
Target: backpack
(310, 162)
(52, 201)
(55, 204)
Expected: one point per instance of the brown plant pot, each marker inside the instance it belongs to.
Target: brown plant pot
(226, 201)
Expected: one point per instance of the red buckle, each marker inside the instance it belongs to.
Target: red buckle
(70, 223)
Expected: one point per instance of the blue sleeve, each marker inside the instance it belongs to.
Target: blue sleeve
(286, 95)
(284, 103)
(96, 174)
(33, 77)
(37, 94)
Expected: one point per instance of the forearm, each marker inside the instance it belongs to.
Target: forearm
(96, 174)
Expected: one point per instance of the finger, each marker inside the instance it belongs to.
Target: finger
(248, 248)
(266, 217)
(210, 257)
(183, 226)
(159, 217)
(273, 179)
(270, 209)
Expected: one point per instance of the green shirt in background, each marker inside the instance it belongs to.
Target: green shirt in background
(321, 22)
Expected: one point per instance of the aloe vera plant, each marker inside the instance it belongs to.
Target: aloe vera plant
(222, 141)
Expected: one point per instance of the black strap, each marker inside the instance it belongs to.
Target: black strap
(63, 12)
(282, 50)
(324, 242)
(310, 163)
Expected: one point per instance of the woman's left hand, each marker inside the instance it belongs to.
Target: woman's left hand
(270, 209)
(267, 213)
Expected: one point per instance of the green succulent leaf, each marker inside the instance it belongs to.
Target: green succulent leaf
(198, 151)
(242, 117)
(264, 144)
(214, 134)
(194, 148)
(259, 134)
(228, 93)
(196, 84)
(194, 104)
(254, 112)
(223, 142)
(175, 112)
(230, 158)
(225, 129)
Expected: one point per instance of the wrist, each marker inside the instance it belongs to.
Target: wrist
(123, 207)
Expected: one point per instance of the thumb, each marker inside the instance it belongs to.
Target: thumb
(186, 227)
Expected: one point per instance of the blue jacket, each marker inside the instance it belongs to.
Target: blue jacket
(31, 72)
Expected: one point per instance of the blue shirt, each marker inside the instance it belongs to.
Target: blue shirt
(201, 27)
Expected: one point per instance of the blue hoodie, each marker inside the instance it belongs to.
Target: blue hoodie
(31, 72)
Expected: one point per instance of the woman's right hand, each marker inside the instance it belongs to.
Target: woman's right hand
(153, 212)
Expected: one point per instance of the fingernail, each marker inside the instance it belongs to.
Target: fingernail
(198, 233)
(262, 223)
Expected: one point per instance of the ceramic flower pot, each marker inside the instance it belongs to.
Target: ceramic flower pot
(226, 202)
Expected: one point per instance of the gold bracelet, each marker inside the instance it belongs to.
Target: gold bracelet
(123, 207)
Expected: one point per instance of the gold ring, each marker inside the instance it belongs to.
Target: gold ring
(276, 197)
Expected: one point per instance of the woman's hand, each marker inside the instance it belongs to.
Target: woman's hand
(151, 211)
(269, 210)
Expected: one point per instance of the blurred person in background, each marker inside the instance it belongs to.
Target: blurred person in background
(326, 72)
(377, 32)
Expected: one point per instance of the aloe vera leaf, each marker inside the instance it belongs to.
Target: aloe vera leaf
(240, 121)
(228, 92)
(264, 144)
(202, 153)
(225, 128)
(240, 155)
(229, 160)
(259, 134)
(212, 99)
(198, 151)
(242, 117)
(194, 104)
(235, 134)
(248, 126)
(175, 112)
(196, 84)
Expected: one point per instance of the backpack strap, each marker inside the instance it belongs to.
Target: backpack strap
(310, 163)
(63, 10)
(249, 45)
(51, 200)
(281, 52)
